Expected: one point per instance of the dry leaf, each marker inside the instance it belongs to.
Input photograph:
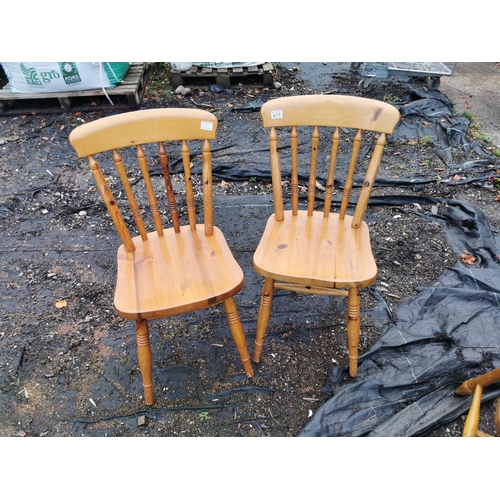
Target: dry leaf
(61, 127)
(61, 304)
(223, 184)
(466, 259)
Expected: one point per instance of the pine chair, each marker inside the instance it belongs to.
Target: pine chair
(318, 252)
(167, 271)
(475, 386)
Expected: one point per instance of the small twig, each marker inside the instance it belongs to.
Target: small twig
(138, 414)
(17, 362)
(255, 422)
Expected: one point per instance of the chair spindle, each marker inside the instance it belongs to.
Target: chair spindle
(111, 205)
(294, 181)
(311, 190)
(208, 209)
(134, 208)
(371, 174)
(172, 205)
(153, 203)
(350, 175)
(189, 185)
(276, 174)
(331, 172)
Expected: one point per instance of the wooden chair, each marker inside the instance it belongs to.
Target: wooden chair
(475, 386)
(318, 252)
(167, 271)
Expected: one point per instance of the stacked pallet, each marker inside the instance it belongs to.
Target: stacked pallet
(126, 95)
(199, 76)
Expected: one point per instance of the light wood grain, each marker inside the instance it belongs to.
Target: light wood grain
(175, 274)
(316, 251)
(142, 127)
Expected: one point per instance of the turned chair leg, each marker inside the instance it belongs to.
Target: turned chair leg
(238, 334)
(497, 417)
(145, 359)
(472, 421)
(353, 326)
(263, 318)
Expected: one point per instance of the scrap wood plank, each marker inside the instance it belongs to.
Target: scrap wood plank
(131, 89)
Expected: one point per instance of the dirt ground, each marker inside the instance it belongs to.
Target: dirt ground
(68, 362)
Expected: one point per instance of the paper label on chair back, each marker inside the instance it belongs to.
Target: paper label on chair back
(207, 126)
(276, 115)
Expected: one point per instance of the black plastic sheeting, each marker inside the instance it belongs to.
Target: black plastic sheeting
(447, 334)
(430, 114)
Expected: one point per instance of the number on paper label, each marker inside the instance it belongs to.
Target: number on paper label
(276, 114)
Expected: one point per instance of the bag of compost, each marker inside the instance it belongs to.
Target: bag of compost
(34, 77)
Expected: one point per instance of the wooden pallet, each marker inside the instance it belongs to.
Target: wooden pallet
(260, 76)
(126, 95)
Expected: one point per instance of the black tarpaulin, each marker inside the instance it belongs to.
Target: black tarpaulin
(430, 114)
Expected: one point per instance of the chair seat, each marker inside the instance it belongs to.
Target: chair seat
(175, 273)
(316, 251)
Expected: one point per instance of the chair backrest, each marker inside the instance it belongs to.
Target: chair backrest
(136, 129)
(339, 113)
